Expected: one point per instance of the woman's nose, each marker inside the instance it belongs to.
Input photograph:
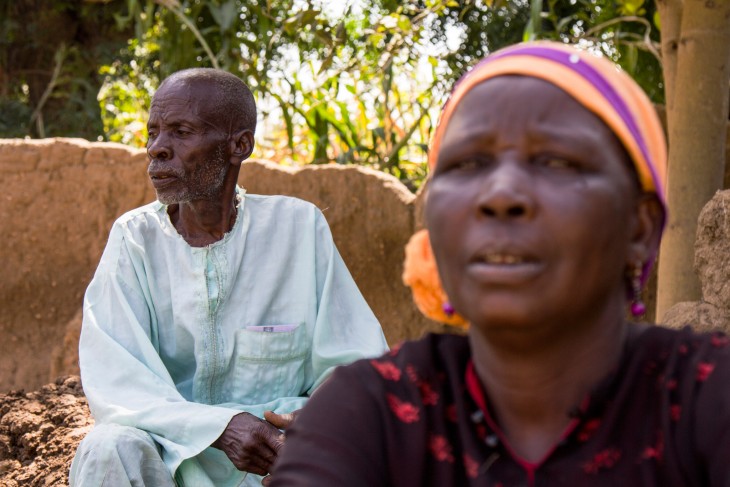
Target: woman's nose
(159, 148)
(506, 193)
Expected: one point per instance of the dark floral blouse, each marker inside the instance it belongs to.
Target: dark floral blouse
(418, 417)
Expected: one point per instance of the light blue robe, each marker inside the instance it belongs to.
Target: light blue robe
(168, 343)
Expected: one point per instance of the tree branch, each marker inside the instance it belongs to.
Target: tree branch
(37, 115)
(174, 7)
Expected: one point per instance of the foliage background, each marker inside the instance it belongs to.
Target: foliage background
(352, 82)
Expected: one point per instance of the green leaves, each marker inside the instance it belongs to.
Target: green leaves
(619, 29)
(630, 7)
(360, 85)
(224, 14)
(534, 25)
(302, 19)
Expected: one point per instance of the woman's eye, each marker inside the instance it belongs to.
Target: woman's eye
(467, 165)
(555, 162)
(470, 164)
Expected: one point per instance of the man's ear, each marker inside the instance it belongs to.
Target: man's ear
(242, 143)
(649, 222)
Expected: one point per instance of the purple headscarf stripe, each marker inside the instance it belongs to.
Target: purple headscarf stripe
(599, 82)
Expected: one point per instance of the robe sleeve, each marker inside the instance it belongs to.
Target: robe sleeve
(124, 378)
(346, 328)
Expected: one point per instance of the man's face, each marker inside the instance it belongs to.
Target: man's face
(188, 152)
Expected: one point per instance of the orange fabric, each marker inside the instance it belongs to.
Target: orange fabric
(421, 275)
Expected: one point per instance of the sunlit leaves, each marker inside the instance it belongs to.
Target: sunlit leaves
(362, 84)
(620, 29)
(631, 7)
(124, 97)
(224, 14)
(535, 23)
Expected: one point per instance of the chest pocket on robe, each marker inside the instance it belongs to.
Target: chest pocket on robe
(270, 365)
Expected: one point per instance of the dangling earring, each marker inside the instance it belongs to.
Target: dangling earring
(448, 309)
(638, 307)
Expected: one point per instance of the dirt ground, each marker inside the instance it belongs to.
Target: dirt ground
(39, 433)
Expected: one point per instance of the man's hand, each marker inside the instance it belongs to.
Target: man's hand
(281, 421)
(250, 443)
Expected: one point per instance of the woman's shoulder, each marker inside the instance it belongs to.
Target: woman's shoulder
(682, 351)
(435, 358)
(419, 370)
(686, 342)
(692, 371)
(692, 366)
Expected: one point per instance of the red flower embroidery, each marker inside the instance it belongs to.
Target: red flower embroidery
(671, 384)
(411, 373)
(651, 452)
(387, 369)
(471, 466)
(440, 448)
(704, 369)
(675, 411)
(405, 411)
(655, 451)
(588, 429)
(719, 340)
(428, 395)
(603, 459)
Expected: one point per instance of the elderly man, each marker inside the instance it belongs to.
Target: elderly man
(210, 309)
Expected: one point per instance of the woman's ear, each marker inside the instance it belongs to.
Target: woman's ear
(242, 143)
(649, 222)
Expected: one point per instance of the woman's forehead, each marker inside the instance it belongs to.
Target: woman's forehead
(519, 103)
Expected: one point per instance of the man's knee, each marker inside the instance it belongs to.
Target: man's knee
(118, 452)
(111, 440)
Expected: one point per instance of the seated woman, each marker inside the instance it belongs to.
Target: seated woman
(545, 208)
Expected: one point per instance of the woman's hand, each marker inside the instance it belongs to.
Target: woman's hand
(281, 421)
(252, 444)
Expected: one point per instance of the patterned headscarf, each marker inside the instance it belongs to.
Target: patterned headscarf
(594, 82)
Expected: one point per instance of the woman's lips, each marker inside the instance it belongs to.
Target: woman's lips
(501, 258)
(504, 267)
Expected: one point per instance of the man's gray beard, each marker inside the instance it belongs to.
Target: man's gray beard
(214, 170)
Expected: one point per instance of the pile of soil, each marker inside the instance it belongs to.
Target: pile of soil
(39, 433)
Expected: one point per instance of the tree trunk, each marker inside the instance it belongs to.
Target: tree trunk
(696, 120)
(670, 13)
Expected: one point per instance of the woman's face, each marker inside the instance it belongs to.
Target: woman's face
(532, 207)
